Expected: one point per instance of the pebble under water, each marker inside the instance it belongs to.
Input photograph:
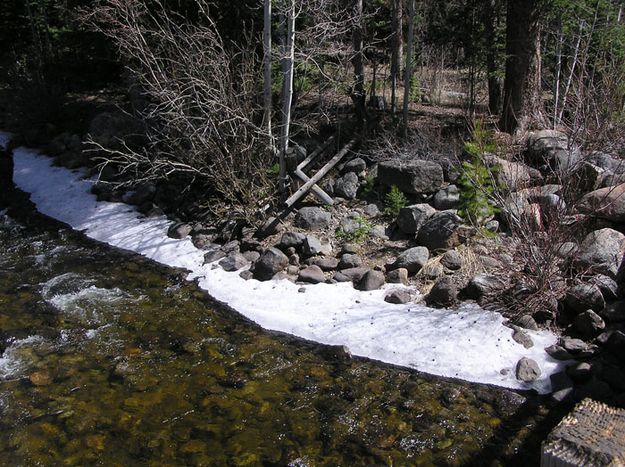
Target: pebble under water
(111, 359)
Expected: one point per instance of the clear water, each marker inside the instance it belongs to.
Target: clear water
(109, 359)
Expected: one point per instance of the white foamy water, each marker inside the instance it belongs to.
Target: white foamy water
(470, 344)
(17, 357)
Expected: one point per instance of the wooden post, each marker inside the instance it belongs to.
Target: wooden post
(306, 187)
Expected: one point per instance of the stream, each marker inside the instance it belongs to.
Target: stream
(111, 359)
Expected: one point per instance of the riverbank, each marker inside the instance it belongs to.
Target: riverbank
(469, 343)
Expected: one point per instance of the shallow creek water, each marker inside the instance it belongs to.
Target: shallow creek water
(110, 359)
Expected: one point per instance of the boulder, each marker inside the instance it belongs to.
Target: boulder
(607, 286)
(552, 149)
(614, 312)
(411, 176)
(441, 231)
(346, 186)
(607, 162)
(179, 230)
(251, 256)
(398, 276)
(512, 176)
(522, 337)
(602, 252)
(371, 210)
(312, 274)
(312, 246)
(444, 292)
(447, 198)
(313, 218)
(412, 259)
(233, 262)
(269, 264)
(589, 323)
(527, 322)
(326, 264)
(213, 255)
(349, 261)
(582, 297)
(482, 285)
(351, 274)
(398, 297)
(527, 370)
(371, 280)
(605, 203)
(142, 194)
(291, 240)
(452, 260)
(412, 218)
(557, 352)
(357, 165)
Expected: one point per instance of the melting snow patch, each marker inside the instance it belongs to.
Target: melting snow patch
(470, 344)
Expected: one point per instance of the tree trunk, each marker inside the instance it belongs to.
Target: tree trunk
(288, 63)
(408, 69)
(522, 85)
(358, 92)
(267, 70)
(396, 41)
(490, 19)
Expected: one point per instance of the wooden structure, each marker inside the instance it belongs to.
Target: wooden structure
(593, 434)
(310, 183)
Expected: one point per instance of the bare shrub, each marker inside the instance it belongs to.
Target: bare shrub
(202, 119)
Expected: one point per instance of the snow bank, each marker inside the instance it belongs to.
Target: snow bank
(471, 344)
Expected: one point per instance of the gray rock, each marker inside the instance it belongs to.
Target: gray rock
(179, 230)
(294, 259)
(398, 276)
(433, 271)
(581, 297)
(562, 396)
(347, 186)
(483, 284)
(312, 246)
(233, 262)
(589, 323)
(452, 260)
(444, 292)
(270, 227)
(270, 263)
(326, 264)
(213, 255)
(247, 275)
(606, 162)
(233, 246)
(605, 203)
(203, 242)
(350, 261)
(413, 176)
(492, 225)
(291, 240)
(522, 337)
(352, 223)
(379, 231)
(371, 280)
(558, 352)
(398, 297)
(527, 322)
(251, 256)
(447, 198)
(573, 346)
(412, 259)
(602, 252)
(607, 286)
(356, 165)
(412, 218)
(552, 149)
(527, 370)
(560, 381)
(511, 175)
(292, 270)
(441, 231)
(351, 274)
(350, 248)
(312, 274)
(371, 210)
(313, 218)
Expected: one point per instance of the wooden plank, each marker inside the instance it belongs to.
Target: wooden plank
(306, 187)
(313, 155)
(316, 189)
